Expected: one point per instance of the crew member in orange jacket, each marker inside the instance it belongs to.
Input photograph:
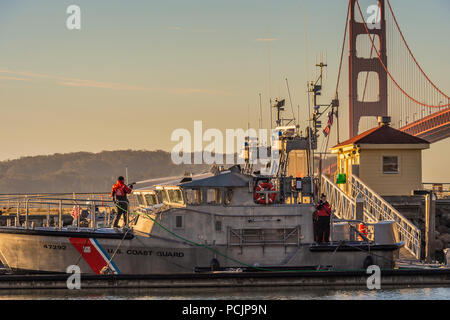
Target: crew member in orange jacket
(119, 195)
(323, 213)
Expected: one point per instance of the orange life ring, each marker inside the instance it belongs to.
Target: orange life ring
(261, 197)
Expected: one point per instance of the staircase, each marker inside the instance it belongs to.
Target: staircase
(344, 205)
(375, 209)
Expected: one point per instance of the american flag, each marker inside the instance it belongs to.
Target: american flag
(327, 130)
(75, 212)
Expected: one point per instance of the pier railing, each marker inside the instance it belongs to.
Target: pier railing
(442, 190)
(378, 209)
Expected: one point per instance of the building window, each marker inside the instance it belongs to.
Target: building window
(179, 222)
(390, 165)
(218, 225)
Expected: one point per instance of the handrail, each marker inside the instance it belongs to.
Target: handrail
(344, 205)
(377, 196)
(60, 203)
(441, 190)
(379, 209)
(51, 193)
(6, 199)
(35, 200)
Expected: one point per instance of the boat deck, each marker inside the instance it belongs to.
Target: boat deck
(101, 233)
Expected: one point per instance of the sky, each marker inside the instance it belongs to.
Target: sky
(138, 70)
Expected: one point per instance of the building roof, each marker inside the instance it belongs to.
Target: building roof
(225, 179)
(384, 134)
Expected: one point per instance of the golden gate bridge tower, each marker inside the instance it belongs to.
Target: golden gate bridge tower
(385, 78)
(359, 65)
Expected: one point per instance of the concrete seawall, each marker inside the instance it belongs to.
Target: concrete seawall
(328, 279)
(413, 208)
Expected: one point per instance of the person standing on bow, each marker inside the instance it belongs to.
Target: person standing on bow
(323, 213)
(119, 195)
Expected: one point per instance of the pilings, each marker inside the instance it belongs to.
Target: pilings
(430, 227)
(414, 209)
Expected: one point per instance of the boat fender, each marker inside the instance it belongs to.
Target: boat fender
(368, 261)
(215, 265)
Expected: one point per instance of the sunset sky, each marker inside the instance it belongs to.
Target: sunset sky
(137, 70)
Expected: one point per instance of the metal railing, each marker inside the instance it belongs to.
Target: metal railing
(265, 236)
(441, 190)
(10, 200)
(377, 209)
(344, 206)
(22, 207)
(345, 210)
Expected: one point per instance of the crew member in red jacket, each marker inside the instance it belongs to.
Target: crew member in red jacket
(323, 213)
(119, 195)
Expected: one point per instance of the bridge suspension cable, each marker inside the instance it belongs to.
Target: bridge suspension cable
(342, 51)
(410, 52)
(389, 73)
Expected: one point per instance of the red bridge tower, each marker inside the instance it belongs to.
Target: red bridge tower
(361, 65)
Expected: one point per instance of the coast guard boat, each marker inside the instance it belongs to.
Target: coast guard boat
(228, 219)
(234, 219)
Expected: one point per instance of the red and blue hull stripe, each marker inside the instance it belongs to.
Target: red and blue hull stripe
(94, 254)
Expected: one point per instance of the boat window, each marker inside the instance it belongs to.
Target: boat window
(189, 196)
(198, 196)
(193, 196)
(175, 196)
(150, 198)
(390, 165)
(228, 196)
(171, 194)
(140, 199)
(214, 196)
(179, 222)
(163, 195)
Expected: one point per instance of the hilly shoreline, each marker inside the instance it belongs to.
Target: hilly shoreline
(85, 171)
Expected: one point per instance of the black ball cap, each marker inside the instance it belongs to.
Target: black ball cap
(120, 178)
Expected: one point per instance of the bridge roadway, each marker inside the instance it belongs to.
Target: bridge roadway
(432, 128)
